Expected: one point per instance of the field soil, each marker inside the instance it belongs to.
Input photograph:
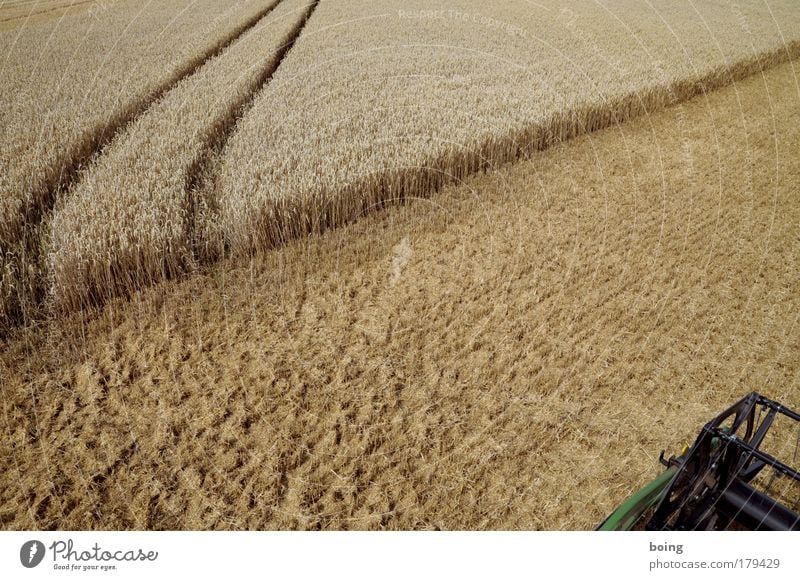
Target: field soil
(511, 353)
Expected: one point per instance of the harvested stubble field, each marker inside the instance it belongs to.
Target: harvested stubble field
(510, 353)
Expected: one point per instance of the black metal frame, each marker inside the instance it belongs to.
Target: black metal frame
(712, 490)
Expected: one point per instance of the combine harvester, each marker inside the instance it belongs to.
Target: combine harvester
(726, 480)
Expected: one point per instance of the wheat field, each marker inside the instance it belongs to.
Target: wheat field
(16, 14)
(509, 354)
(403, 98)
(372, 104)
(326, 264)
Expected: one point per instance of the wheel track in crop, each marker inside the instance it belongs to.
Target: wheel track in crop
(202, 176)
(413, 182)
(21, 273)
(220, 93)
(72, 161)
(23, 303)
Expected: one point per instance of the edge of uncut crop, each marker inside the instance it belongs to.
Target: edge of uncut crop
(278, 221)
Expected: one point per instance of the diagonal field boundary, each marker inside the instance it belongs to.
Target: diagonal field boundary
(297, 217)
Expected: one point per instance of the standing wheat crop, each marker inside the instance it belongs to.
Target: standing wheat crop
(389, 100)
(68, 84)
(129, 220)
